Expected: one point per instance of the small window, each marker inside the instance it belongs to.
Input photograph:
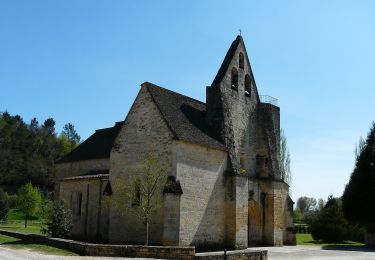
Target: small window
(234, 82)
(261, 160)
(76, 203)
(247, 85)
(241, 60)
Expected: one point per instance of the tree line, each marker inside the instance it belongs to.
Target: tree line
(28, 151)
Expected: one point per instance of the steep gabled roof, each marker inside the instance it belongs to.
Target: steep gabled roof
(228, 58)
(97, 146)
(186, 117)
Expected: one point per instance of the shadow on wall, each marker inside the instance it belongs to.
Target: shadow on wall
(210, 233)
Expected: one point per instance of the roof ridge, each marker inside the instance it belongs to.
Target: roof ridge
(149, 84)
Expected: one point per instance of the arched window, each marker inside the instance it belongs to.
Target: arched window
(247, 85)
(241, 60)
(234, 75)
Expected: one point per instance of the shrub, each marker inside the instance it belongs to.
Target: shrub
(59, 220)
(4, 205)
(330, 224)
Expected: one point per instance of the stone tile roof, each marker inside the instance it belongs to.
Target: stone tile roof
(97, 146)
(186, 117)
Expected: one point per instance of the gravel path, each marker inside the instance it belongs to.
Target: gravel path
(7, 253)
(274, 253)
(318, 253)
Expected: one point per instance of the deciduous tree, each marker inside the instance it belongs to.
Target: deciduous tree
(142, 193)
(286, 173)
(28, 200)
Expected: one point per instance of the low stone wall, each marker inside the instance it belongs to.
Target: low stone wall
(370, 239)
(164, 252)
(248, 254)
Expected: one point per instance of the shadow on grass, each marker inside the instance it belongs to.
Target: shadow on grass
(18, 242)
(349, 247)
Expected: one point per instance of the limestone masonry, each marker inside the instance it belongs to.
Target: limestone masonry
(223, 156)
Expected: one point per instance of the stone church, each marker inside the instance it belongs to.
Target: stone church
(224, 161)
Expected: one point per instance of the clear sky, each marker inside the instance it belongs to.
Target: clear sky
(83, 61)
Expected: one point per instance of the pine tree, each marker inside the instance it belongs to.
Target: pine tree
(359, 194)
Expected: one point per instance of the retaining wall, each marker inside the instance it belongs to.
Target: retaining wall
(164, 252)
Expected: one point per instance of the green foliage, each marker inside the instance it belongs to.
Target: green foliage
(28, 200)
(59, 220)
(28, 151)
(297, 216)
(331, 226)
(69, 137)
(4, 205)
(359, 194)
(306, 204)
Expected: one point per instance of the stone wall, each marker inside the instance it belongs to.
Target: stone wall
(200, 171)
(143, 132)
(89, 225)
(160, 252)
(88, 249)
(248, 254)
(70, 169)
(234, 114)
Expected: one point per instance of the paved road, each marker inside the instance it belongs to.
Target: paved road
(274, 253)
(316, 252)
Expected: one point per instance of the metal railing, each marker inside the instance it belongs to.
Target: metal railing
(269, 100)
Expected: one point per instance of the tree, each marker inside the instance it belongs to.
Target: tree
(359, 193)
(28, 200)
(297, 216)
(306, 204)
(359, 147)
(330, 224)
(142, 193)
(4, 205)
(28, 151)
(286, 174)
(71, 134)
(58, 220)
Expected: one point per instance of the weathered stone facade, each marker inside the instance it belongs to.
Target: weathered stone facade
(224, 156)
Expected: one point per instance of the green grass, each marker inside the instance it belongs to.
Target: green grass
(32, 228)
(307, 240)
(16, 222)
(16, 215)
(21, 244)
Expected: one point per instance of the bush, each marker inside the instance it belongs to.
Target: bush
(331, 226)
(59, 220)
(4, 205)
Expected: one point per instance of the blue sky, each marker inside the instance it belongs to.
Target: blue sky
(83, 61)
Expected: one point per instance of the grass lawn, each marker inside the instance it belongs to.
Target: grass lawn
(307, 240)
(16, 223)
(32, 228)
(21, 244)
